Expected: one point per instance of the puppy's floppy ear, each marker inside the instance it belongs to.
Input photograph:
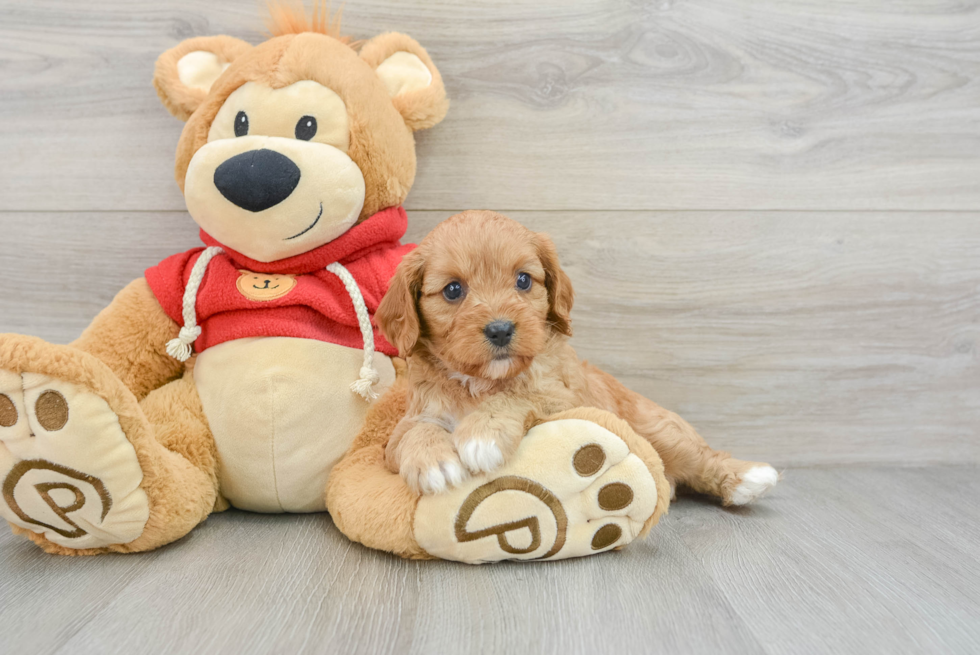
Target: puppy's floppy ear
(398, 313)
(412, 80)
(560, 293)
(184, 74)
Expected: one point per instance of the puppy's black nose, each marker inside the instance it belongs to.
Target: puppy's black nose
(257, 179)
(499, 333)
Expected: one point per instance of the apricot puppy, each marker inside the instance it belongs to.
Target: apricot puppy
(480, 310)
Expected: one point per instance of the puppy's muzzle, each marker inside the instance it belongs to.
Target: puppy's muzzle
(499, 333)
(257, 179)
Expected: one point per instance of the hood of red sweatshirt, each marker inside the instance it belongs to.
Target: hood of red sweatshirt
(314, 304)
(379, 231)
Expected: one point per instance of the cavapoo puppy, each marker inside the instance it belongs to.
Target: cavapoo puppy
(480, 310)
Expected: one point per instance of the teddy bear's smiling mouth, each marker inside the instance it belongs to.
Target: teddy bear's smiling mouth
(312, 225)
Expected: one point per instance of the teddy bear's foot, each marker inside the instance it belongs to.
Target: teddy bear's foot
(573, 488)
(67, 469)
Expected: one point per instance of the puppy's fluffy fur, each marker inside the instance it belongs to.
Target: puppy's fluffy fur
(472, 401)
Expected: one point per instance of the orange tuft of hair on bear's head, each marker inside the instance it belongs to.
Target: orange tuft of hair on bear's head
(286, 17)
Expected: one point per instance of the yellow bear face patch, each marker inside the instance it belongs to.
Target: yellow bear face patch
(261, 287)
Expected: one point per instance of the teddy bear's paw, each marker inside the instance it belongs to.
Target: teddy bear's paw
(573, 488)
(67, 470)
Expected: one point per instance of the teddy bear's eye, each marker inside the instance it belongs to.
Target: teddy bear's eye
(241, 124)
(306, 128)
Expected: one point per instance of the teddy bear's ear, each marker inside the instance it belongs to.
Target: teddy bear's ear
(412, 80)
(184, 74)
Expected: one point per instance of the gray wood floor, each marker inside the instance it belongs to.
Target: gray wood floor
(770, 210)
(847, 560)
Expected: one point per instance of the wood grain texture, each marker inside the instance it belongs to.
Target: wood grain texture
(596, 104)
(790, 337)
(839, 335)
(855, 560)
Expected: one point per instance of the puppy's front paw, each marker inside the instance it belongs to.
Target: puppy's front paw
(427, 460)
(480, 455)
(426, 476)
(485, 444)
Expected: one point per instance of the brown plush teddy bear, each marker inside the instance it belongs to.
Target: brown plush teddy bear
(240, 373)
(295, 159)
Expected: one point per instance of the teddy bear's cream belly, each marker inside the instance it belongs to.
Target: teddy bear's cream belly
(282, 414)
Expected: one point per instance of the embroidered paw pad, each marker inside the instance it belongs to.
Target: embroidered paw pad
(573, 488)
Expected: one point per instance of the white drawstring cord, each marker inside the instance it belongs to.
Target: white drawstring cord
(180, 348)
(369, 376)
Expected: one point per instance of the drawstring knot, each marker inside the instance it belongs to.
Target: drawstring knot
(181, 347)
(362, 385)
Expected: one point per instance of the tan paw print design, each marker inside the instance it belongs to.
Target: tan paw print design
(262, 287)
(67, 470)
(536, 508)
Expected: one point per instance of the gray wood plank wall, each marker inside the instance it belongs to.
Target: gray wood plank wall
(769, 209)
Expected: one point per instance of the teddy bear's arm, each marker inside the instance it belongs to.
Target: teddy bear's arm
(130, 336)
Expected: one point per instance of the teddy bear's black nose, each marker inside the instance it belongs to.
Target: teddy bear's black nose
(257, 179)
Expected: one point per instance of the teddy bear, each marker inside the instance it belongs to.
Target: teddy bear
(247, 372)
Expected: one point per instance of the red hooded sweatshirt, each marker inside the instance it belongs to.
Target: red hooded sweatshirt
(313, 303)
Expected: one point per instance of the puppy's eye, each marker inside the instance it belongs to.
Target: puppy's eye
(523, 281)
(241, 124)
(306, 128)
(452, 291)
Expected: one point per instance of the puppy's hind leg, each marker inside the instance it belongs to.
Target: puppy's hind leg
(690, 461)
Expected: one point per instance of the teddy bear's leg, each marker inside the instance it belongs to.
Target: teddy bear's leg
(188, 492)
(581, 483)
(366, 501)
(130, 337)
(81, 469)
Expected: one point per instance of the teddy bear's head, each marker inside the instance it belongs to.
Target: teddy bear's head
(290, 143)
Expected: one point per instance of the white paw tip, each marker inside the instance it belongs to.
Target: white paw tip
(433, 481)
(755, 483)
(481, 455)
(452, 472)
